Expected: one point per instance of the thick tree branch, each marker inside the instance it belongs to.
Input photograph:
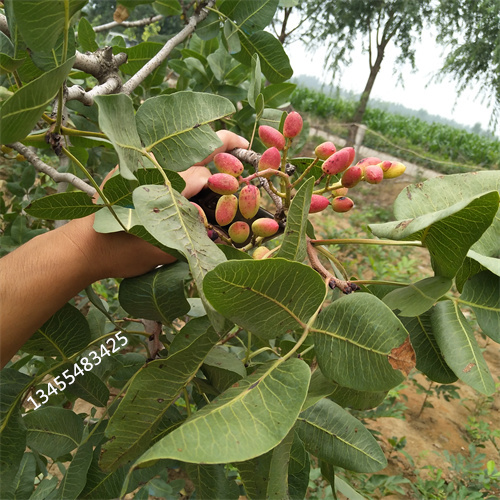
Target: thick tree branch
(42, 167)
(156, 61)
(129, 24)
(103, 65)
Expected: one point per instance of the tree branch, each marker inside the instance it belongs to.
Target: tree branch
(156, 61)
(129, 24)
(103, 65)
(42, 167)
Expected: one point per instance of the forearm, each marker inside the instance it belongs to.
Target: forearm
(36, 280)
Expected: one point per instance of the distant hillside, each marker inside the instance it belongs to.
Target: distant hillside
(314, 83)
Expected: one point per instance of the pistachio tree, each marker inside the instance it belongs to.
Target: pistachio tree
(240, 361)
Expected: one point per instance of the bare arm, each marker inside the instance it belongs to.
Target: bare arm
(39, 277)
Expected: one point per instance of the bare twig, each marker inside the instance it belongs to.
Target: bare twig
(154, 344)
(128, 24)
(333, 282)
(156, 61)
(40, 166)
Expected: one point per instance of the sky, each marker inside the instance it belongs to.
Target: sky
(419, 92)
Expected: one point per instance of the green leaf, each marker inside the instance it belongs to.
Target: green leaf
(118, 189)
(8, 61)
(117, 121)
(278, 94)
(158, 295)
(21, 111)
(53, 431)
(415, 299)
(273, 59)
(86, 36)
(13, 431)
(250, 15)
(152, 390)
(176, 127)
(167, 7)
(259, 106)
(223, 368)
(60, 206)
(414, 201)
(75, 478)
(298, 470)
(41, 33)
(347, 490)
(175, 222)
(430, 360)
(64, 334)
(52, 58)
(243, 422)
(255, 81)
(209, 27)
(448, 233)
(321, 387)
(456, 340)
(211, 481)
(23, 482)
(44, 488)
(266, 297)
(278, 470)
(231, 37)
(89, 388)
(489, 263)
(221, 63)
(482, 293)
(294, 246)
(333, 435)
(357, 341)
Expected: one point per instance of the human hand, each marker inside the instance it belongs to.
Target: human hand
(123, 255)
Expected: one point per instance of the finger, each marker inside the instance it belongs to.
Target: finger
(230, 140)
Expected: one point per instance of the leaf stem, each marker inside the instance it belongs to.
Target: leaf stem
(307, 328)
(95, 185)
(186, 400)
(365, 241)
(249, 348)
(305, 172)
(336, 261)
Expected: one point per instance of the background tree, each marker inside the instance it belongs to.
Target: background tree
(341, 23)
(470, 30)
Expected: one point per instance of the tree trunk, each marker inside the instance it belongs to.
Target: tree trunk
(360, 110)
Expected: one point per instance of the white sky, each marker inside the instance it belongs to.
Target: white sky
(418, 91)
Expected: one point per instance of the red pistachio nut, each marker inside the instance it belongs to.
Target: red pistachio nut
(249, 201)
(318, 203)
(202, 214)
(351, 176)
(385, 165)
(223, 183)
(339, 161)
(226, 209)
(260, 253)
(271, 137)
(271, 158)
(371, 160)
(239, 231)
(373, 174)
(395, 170)
(342, 204)
(228, 164)
(340, 191)
(324, 150)
(265, 227)
(293, 125)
